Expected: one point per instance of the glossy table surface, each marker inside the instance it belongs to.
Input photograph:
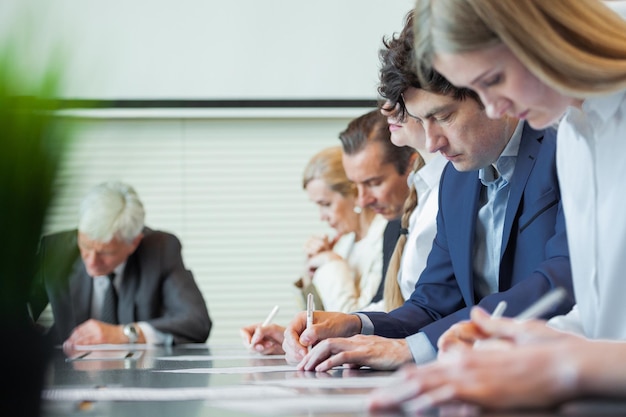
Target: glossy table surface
(242, 392)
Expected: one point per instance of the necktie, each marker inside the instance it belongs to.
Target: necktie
(109, 307)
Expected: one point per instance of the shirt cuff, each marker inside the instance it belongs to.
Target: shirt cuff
(367, 327)
(155, 337)
(421, 348)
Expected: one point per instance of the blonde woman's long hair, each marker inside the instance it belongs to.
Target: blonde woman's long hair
(327, 165)
(576, 47)
(392, 296)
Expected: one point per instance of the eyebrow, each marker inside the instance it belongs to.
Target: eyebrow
(441, 109)
(371, 179)
(481, 75)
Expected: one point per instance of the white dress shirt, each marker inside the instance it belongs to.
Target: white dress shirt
(100, 286)
(591, 147)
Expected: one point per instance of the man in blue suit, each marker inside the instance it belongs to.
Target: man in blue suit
(500, 235)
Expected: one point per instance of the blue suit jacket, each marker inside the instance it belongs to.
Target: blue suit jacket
(534, 259)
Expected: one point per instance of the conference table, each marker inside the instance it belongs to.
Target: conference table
(228, 380)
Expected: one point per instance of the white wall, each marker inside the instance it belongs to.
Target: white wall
(210, 49)
(226, 181)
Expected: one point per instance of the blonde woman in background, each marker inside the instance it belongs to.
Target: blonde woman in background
(548, 62)
(344, 270)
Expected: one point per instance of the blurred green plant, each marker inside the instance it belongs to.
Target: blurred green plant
(32, 143)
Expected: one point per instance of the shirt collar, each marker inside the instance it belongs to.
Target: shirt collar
(427, 177)
(505, 164)
(604, 107)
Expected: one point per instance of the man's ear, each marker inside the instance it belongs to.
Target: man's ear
(136, 241)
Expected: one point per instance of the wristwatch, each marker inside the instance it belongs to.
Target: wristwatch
(130, 331)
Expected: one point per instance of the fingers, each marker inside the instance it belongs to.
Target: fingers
(405, 388)
(506, 328)
(317, 244)
(460, 336)
(324, 356)
(268, 339)
(247, 333)
(294, 350)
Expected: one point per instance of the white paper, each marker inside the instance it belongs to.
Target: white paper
(333, 383)
(163, 394)
(299, 404)
(218, 357)
(234, 370)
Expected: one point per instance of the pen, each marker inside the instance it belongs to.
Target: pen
(310, 306)
(270, 316)
(268, 320)
(499, 310)
(546, 303)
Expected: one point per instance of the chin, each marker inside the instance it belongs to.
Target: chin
(545, 122)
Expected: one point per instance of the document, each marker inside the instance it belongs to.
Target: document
(218, 357)
(301, 404)
(234, 370)
(164, 394)
(330, 382)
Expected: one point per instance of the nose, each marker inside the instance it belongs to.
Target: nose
(323, 215)
(494, 107)
(365, 198)
(435, 139)
(388, 108)
(91, 258)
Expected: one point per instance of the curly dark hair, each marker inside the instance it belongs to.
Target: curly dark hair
(399, 71)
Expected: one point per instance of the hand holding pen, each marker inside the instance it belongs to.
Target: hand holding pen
(265, 338)
(482, 325)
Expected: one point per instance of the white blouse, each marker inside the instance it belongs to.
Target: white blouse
(591, 153)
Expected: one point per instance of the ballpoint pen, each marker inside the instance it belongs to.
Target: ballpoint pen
(546, 303)
(310, 307)
(499, 310)
(265, 323)
(270, 316)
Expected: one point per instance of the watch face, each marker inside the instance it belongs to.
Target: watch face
(131, 332)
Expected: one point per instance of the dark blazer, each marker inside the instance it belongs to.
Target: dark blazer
(390, 238)
(156, 288)
(535, 256)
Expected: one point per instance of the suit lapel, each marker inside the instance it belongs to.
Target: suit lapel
(529, 147)
(463, 230)
(81, 287)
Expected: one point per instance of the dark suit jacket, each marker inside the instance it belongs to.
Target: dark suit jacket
(156, 288)
(535, 256)
(390, 238)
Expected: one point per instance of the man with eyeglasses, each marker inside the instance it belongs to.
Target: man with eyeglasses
(500, 229)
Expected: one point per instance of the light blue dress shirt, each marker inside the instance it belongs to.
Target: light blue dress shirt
(488, 238)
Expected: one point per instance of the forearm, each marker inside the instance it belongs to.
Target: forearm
(601, 367)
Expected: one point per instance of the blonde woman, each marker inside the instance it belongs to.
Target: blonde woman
(547, 62)
(345, 270)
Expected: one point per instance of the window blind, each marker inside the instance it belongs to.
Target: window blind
(228, 187)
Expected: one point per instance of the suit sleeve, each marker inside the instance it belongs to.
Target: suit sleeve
(554, 271)
(184, 312)
(436, 295)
